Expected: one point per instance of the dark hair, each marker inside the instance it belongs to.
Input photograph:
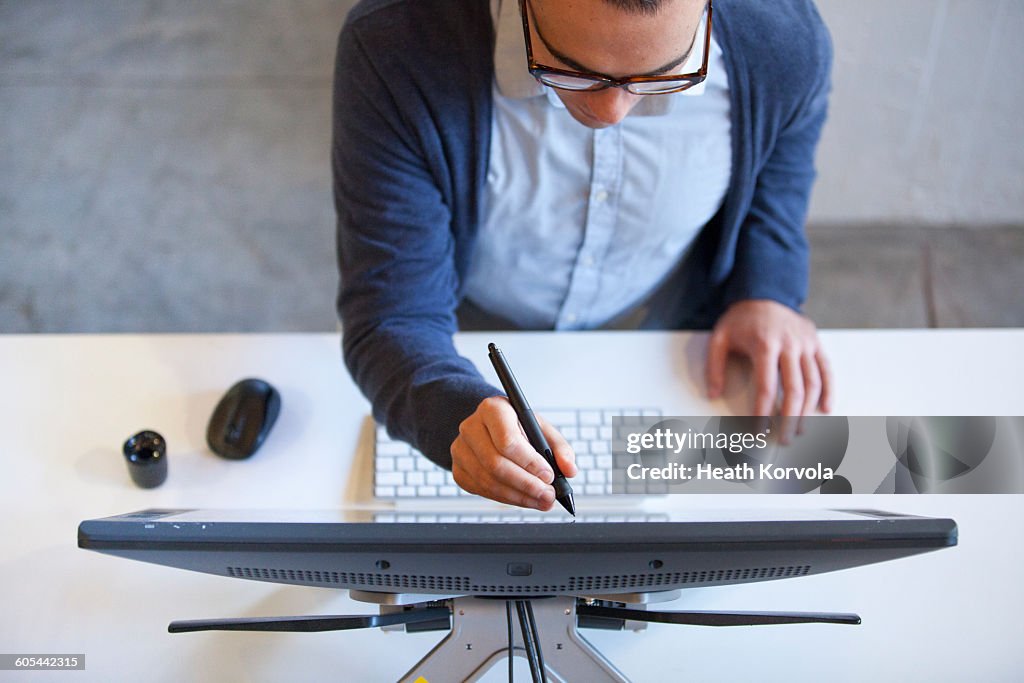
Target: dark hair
(638, 6)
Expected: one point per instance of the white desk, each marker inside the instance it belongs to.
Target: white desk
(68, 402)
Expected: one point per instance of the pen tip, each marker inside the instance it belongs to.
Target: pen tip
(491, 347)
(569, 504)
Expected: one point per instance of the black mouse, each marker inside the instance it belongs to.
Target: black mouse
(243, 418)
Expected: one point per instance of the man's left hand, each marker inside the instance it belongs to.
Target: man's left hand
(783, 346)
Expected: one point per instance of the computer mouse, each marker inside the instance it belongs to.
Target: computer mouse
(243, 418)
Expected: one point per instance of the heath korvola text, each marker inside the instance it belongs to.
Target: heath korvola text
(667, 441)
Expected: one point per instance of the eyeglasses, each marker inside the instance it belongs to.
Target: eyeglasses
(566, 79)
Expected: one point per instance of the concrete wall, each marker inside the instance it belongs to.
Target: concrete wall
(926, 124)
(927, 118)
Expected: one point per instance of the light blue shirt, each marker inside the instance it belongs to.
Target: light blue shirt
(580, 225)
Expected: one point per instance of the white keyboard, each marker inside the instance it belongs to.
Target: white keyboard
(402, 473)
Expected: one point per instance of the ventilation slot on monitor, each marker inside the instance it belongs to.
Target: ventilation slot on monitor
(462, 584)
(527, 589)
(707, 576)
(305, 576)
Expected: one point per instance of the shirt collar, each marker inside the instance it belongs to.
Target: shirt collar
(515, 82)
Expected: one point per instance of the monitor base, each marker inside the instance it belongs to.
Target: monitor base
(481, 630)
(479, 639)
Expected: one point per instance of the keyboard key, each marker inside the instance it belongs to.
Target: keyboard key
(385, 463)
(430, 491)
(604, 462)
(424, 465)
(593, 489)
(559, 418)
(435, 478)
(390, 479)
(405, 491)
(623, 431)
(415, 478)
(570, 433)
(588, 433)
(384, 491)
(580, 447)
(633, 486)
(392, 448)
(405, 464)
(590, 417)
(599, 447)
(449, 491)
(585, 462)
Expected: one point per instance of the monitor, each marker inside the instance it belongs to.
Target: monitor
(520, 554)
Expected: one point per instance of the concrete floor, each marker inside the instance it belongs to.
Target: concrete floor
(873, 276)
(164, 168)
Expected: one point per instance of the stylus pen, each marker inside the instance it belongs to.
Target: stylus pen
(563, 492)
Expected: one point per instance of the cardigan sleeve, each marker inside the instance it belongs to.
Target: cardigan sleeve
(396, 255)
(771, 258)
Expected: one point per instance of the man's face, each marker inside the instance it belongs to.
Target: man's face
(594, 35)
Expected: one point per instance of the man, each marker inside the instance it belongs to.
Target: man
(562, 164)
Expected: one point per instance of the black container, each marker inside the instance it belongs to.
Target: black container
(146, 455)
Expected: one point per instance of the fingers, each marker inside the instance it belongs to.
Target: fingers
(491, 457)
(564, 455)
(827, 381)
(482, 470)
(792, 383)
(802, 387)
(481, 481)
(507, 437)
(765, 380)
(782, 344)
(792, 394)
(718, 353)
(812, 383)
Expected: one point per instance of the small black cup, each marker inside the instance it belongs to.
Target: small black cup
(146, 455)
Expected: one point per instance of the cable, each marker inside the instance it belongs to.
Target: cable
(536, 673)
(508, 623)
(536, 639)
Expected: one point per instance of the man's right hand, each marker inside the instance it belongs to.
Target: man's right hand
(492, 457)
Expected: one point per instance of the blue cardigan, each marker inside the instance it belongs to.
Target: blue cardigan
(411, 136)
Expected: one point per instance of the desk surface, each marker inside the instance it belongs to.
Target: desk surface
(71, 400)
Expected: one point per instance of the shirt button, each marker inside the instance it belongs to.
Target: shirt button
(600, 196)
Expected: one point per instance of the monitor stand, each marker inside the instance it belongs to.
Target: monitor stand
(479, 637)
(544, 630)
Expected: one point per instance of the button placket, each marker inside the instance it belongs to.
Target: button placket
(598, 229)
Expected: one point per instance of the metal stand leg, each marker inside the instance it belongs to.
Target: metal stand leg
(479, 640)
